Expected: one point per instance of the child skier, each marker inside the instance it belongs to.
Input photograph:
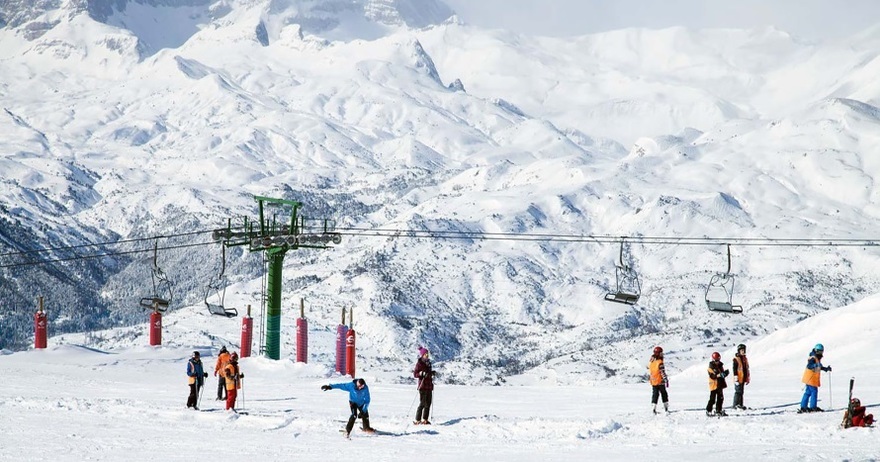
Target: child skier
(425, 374)
(717, 384)
(358, 401)
(233, 377)
(658, 379)
(859, 418)
(741, 376)
(811, 379)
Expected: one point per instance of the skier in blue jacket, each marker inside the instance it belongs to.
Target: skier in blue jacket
(358, 401)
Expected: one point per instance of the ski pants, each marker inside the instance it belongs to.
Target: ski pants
(425, 398)
(811, 396)
(193, 399)
(716, 398)
(357, 411)
(659, 390)
(221, 388)
(738, 389)
(230, 398)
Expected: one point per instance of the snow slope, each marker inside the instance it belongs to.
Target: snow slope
(127, 402)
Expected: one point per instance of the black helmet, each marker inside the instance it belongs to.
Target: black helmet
(741, 347)
(196, 354)
(223, 349)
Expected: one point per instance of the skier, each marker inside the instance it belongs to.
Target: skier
(358, 401)
(812, 381)
(232, 374)
(222, 360)
(741, 376)
(859, 418)
(425, 374)
(659, 381)
(197, 376)
(717, 384)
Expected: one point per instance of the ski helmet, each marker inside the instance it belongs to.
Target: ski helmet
(658, 350)
(741, 347)
(819, 347)
(855, 402)
(233, 356)
(223, 349)
(195, 354)
(716, 356)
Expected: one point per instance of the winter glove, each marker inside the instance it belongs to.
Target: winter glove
(666, 383)
(205, 375)
(433, 373)
(827, 369)
(726, 373)
(422, 374)
(325, 387)
(241, 376)
(215, 373)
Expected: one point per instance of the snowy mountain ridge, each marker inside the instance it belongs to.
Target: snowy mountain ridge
(120, 130)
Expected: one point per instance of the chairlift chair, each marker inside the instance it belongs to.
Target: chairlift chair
(218, 288)
(162, 295)
(628, 288)
(719, 291)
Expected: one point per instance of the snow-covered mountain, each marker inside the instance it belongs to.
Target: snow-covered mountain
(128, 120)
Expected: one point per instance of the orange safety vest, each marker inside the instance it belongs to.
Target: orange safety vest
(741, 364)
(716, 375)
(222, 360)
(812, 376)
(657, 371)
(230, 373)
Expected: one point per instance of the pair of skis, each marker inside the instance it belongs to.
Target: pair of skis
(847, 418)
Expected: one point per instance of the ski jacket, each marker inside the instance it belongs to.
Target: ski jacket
(657, 371)
(222, 360)
(716, 376)
(232, 375)
(813, 372)
(859, 419)
(424, 373)
(359, 397)
(194, 371)
(741, 368)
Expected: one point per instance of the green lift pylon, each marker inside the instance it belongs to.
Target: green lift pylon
(275, 238)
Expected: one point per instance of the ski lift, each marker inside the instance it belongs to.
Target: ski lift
(219, 289)
(628, 286)
(162, 296)
(719, 291)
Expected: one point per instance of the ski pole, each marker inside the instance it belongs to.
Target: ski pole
(242, 392)
(830, 395)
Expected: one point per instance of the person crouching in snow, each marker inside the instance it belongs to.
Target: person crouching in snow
(233, 377)
(859, 418)
(197, 376)
(811, 378)
(658, 379)
(358, 401)
(717, 384)
(425, 374)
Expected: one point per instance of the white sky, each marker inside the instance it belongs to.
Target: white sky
(812, 19)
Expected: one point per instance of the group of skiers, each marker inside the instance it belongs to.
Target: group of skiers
(229, 378)
(358, 392)
(718, 382)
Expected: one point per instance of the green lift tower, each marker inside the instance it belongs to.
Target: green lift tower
(275, 238)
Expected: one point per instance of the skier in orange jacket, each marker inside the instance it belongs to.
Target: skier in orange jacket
(658, 379)
(222, 360)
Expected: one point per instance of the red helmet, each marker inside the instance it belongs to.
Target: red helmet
(658, 351)
(716, 356)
